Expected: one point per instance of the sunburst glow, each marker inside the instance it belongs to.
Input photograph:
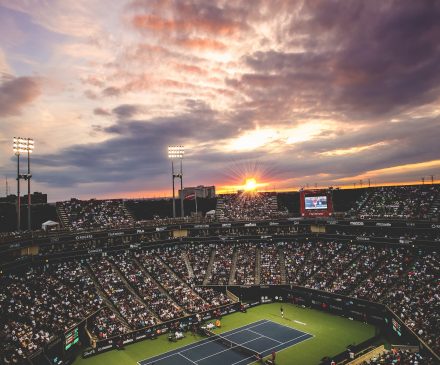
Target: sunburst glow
(250, 185)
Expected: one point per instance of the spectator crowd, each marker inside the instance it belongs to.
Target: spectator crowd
(95, 214)
(127, 291)
(398, 202)
(248, 206)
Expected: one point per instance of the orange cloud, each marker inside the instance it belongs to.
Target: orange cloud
(154, 23)
(201, 44)
(192, 69)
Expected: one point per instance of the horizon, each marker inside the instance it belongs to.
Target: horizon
(229, 192)
(276, 91)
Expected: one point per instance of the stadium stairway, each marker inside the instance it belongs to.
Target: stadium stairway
(333, 265)
(434, 209)
(159, 286)
(312, 263)
(209, 268)
(132, 290)
(378, 264)
(62, 216)
(258, 266)
(128, 213)
(188, 264)
(282, 266)
(104, 297)
(385, 261)
(233, 267)
(171, 271)
(295, 276)
(220, 209)
(366, 201)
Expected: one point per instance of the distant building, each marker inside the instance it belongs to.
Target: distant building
(201, 191)
(36, 198)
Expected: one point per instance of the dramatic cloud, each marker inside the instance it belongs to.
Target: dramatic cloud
(325, 92)
(16, 93)
(101, 111)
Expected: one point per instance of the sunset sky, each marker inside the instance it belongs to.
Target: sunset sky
(290, 92)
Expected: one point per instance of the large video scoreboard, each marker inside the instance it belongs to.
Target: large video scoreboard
(316, 203)
(71, 338)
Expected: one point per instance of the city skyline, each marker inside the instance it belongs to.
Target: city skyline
(287, 92)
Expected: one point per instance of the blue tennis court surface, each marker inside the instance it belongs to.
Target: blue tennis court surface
(263, 337)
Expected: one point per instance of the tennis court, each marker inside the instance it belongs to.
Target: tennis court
(236, 347)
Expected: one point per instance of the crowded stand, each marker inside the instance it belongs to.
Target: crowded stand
(248, 206)
(270, 272)
(41, 304)
(181, 292)
(320, 254)
(38, 304)
(368, 261)
(246, 262)
(399, 357)
(147, 289)
(398, 202)
(131, 291)
(328, 273)
(393, 265)
(222, 264)
(95, 214)
(416, 298)
(198, 256)
(295, 256)
(175, 258)
(130, 308)
(105, 324)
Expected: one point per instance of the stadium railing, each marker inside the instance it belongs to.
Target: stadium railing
(361, 357)
(149, 332)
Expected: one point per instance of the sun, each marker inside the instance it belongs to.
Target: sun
(250, 185)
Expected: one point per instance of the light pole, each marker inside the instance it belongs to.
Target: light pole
(30, 148)
(23, 145)
(177, 152)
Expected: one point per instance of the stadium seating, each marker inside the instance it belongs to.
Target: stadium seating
(246, 262)
(248, 206)
(95, 214)
(148, 290)
(270, 272)
(134, 290)
(398, 202)
(399, 357)
(128, 305)
(42, 303)
(105, 324)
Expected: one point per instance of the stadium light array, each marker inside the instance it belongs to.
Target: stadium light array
(23, 145)
(174, 153)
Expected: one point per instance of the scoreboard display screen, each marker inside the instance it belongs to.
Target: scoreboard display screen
(396, 327)
(315, 202)
(71, 338)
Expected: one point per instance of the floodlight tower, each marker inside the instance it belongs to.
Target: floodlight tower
(177, 152)
(30, 148)
(22, 145)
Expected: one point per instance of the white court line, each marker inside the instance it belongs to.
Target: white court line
(187, 358)
(273, 347)
(204, 342)
(261, 335)
(227, 349)
(291, 328)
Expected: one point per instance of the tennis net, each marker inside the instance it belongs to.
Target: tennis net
(232, 345)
